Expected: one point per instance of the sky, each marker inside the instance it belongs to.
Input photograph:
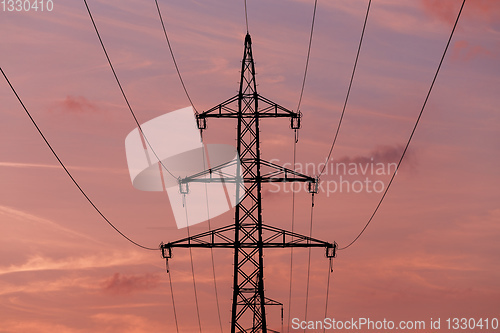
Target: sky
(431, 251)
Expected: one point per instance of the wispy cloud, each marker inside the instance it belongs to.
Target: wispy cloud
(35, 326)
(120, 284)
(110, 322)
(40, 263)
(28, 165)
(76, 104)
(56, 166)
(54, 284)
(10, 213)
(446, 11)
(465, 51)
(382, 154)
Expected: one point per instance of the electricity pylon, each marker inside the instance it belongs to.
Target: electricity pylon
(249, 236)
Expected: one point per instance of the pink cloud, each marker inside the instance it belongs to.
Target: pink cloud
(446, 11)
(77, 104)
(122, 285)
(464, 51)
(442, 10)
(382, 154)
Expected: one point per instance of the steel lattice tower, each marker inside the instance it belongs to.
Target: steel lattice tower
(249, 236)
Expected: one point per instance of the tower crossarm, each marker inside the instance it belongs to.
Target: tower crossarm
(271, 173)
(267, 109)
(223, 237)
(229, 109)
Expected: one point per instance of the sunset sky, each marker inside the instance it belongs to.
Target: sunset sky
(432, 250)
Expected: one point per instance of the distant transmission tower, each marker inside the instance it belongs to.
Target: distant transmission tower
(249, 236)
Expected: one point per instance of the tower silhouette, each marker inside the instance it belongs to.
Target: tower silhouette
(248, 236)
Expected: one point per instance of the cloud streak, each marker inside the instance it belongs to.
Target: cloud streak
(120, 284)
(465, 51)
(77, 104)
(9, 213)
(57, 166)
(39, 263)
(446, 11)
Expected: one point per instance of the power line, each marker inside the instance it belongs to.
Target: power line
(67, 171)
(206, 193)
(330, 271)
(413, 131)
(192, 267)
(215, 285)
(348, 91)
(172, 294)
(309, 259)
(308, 55)
(292, 230)
(122, 91)
(295, 154)
(211, 249)
(173, 57)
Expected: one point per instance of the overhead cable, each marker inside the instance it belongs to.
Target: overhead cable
(295, 153)
(330, 271)
(412, 132)
(192, 267)
(68, 173)
(172, 296)
(123, 92)
(211, 249)
(348, 93)
(173, 57)
(309, 260)
(308, 55)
